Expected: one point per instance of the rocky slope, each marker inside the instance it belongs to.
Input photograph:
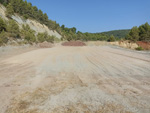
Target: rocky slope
(36, 26)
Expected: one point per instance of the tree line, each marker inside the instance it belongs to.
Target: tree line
(26, 10)
(72, 34)
(141, 33)
(118, 33)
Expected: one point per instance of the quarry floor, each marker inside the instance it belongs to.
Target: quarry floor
(90, 79)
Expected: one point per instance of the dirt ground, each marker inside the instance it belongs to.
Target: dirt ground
(89, 79)
(74, 43)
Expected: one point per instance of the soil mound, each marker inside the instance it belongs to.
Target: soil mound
(74, 43)
(45, 45)
(144, 45)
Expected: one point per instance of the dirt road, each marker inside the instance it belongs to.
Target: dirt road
(76, 79)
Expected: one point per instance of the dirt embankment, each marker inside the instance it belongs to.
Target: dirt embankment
(144, 45)
(124, 44)
(75, 79)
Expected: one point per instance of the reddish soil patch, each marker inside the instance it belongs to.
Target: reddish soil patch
(74, 43)
(45, 45)
(144, 45)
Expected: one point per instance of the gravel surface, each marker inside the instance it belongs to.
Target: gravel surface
(76, 79)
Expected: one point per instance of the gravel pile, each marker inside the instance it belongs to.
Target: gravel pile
(74, 43)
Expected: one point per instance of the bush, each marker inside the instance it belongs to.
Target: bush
(2, 25)
(50, 39)
(13, 29)
(28, 34)
(30, 37)
(3, 38)
(45, 37)
(139, 48)
(10, 10)
(111, 39)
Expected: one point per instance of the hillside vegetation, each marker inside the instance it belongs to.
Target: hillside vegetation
(10, 30)
(118, 33)
(141, 33)
(28, 11)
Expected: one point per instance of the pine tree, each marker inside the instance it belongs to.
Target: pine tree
(3, 37)
(144, 32)
(28, 33)
(13, 28)
(2, 25)
(133, 34)
(10, 10)
(111, 39)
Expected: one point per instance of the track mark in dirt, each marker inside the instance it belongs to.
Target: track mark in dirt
(77, 79)
(129, 56)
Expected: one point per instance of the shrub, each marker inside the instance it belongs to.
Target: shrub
(2, 25)
(139, 48)
(111, 39)
(3, 38)
(10, 10)
(28, 33)
(50, 39)
(13, 29)
(45, 37)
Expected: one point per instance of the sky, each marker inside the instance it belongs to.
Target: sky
(96, 15)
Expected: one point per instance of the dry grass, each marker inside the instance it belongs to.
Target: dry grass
(32, 102)
(76, 79)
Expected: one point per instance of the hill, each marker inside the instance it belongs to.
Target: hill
(21, 20)
(34, 22)
(16, 28)
(118, 33)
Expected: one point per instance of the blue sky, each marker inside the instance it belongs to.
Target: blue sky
(96, 15)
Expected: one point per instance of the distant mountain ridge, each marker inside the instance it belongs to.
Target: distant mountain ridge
(117, 33)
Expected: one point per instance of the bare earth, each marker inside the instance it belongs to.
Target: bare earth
(96, 79)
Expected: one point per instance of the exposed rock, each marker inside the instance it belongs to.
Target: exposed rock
(125, 44)
(2, 12)
(34, 25)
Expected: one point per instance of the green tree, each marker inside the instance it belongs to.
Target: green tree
(41, 37)
(111, 39)
(63, 27)
(50, 39)
(10, 10)
(133, 34)
(28, 33)
(2, 25)
(13, 29)
(144, 32)
(45, 37)
(3, 38)
(4, 2)
(73, 30)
